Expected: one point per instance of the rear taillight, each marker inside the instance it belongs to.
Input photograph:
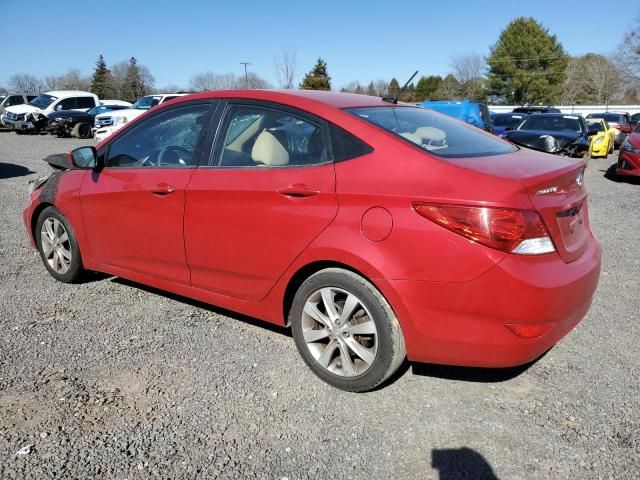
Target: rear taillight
(505, 229)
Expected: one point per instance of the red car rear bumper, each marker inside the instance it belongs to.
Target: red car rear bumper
(466, 323)
(628, 163)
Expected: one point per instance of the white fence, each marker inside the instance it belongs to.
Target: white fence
(576, 109)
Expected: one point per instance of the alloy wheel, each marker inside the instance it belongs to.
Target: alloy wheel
(56, 246)
(339, 332)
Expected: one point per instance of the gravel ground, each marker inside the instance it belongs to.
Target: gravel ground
(112, 380)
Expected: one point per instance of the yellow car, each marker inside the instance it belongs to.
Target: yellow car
(602, 142)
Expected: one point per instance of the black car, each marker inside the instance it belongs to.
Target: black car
(66, 123)
(552, 133)
(532, 109)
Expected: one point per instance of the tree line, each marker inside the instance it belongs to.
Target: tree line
(527, 64)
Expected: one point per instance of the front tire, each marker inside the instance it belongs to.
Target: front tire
(58, 247)
(345, 330)
(82, 130)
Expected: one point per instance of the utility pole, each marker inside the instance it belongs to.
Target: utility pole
(246, 76)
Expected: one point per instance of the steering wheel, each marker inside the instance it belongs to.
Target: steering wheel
(174, 155)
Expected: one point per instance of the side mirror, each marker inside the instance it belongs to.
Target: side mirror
(58, 108)
(84, 158)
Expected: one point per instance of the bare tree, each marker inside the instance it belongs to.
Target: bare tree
(214, 81)
(381, 87)
(171, 88)
(2, 90)
(286, 64)
(573, 82)
(25, 83)
(627, 59)
(254, 82)
(73, 80)
(602, 78)
(469, 70)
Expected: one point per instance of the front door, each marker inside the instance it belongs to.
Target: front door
(268, 193)
(133, 209)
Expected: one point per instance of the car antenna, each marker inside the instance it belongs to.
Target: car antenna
(394, 100)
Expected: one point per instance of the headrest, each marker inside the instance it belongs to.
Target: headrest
(431, 134)
(269, 151)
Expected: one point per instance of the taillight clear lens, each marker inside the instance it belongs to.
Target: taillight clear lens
(506, 229)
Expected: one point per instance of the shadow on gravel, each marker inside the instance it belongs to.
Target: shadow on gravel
(10, 170)
(610, 174)
(206, 306)
(461, 463)
(471, 374)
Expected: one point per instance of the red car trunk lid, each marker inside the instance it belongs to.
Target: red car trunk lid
(555, 187)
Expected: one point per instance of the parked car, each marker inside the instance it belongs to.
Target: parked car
(620, 121)
(629, 155)
(529, 109)
(602, 137)
(506, 121)
(552, 133)
(375, 230)
(33, 115)
(474, 113)
(68, 123)
(13, 99)
(106, 123)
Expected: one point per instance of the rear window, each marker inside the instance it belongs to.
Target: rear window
(609, 117)
(436, 133)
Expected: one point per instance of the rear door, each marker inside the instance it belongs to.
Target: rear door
(267, 192)
(133, 209)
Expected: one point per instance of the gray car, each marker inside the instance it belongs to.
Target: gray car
(11, 99)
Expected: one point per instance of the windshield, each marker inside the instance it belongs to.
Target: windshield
(98, 109)
(437, 133)
(552, 123)
(43, 101)
(145, 103)
(507, 120)
(609, 117)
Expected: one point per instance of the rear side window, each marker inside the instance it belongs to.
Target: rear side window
(85, 102)
(345, 146)
(440, 135)
(14, 100)
(256, 136)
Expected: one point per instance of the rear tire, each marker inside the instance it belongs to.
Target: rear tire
(345, 330)
(58, 247)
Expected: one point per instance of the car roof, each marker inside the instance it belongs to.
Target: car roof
(69, 93)
(332, 99)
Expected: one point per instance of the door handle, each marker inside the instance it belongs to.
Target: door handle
(298, 190)
(162, 190)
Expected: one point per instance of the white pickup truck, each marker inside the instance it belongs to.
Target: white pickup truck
(107, 123)
(22, 118)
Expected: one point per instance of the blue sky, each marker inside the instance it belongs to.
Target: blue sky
(359, 40)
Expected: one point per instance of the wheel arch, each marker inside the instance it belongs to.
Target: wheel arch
(34, 218)
(304, 272)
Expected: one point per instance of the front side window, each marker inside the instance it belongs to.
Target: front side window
(259, 136)
(14, 100)
(67, 104)
(440, 135)
(168, 139)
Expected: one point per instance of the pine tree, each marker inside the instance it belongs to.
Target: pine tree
(102, 82)
(527, 64)
(371, 90)
(427, 87)
(318, 78)
(394, 88)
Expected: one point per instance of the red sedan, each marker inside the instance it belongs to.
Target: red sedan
(629, 155)
(376, 231)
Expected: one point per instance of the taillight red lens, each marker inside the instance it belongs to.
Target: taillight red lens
(530, 331)
(500, 228)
